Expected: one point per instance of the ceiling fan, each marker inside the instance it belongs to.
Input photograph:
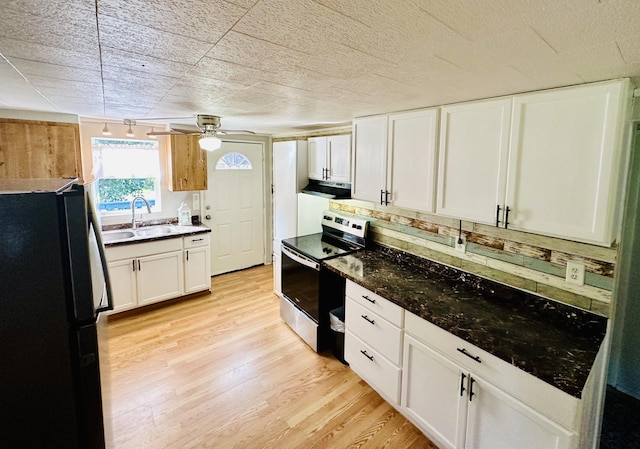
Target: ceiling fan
(208, 129)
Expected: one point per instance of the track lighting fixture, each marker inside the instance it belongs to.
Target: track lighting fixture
(106, 131)
(130, 123)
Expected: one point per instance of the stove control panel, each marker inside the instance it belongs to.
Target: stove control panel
(349, 225)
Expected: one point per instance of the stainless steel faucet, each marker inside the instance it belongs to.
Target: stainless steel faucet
(133, 208)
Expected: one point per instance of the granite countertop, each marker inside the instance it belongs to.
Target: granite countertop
(555, 342)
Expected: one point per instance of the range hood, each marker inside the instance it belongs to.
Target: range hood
(328, 189)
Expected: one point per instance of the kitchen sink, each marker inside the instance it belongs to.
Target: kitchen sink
(114, 236)
(152, 231)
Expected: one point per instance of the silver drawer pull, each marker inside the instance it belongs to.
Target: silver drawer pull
(370, 357)
(473, 357)
(368, 319)
(372, 301)
(197, 240)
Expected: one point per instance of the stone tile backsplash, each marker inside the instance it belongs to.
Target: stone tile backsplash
(529, 262)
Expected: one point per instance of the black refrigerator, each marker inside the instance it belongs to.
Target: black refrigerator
(53, 287)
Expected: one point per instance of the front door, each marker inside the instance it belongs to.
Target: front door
(234, 206)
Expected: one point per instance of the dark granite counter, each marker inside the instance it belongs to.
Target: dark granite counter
(555, 342)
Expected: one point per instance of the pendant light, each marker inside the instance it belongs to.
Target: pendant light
(106, 131)
(130, 123)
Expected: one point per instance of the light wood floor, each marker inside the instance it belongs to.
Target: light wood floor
(223, 371)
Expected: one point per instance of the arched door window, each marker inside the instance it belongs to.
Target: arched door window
(233, 161)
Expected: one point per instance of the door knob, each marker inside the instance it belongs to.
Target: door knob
(208, 217)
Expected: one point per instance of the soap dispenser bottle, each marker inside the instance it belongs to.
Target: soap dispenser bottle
(184, 214)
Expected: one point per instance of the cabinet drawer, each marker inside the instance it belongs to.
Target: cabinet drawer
(193, 241)
(376, 303)
(365, 361)
(551, 401)
(376, 331)
(141, 249)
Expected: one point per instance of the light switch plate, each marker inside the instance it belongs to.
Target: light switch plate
(575, 273)
(196, 201)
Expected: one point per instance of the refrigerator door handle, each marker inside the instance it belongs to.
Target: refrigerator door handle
(108, 305)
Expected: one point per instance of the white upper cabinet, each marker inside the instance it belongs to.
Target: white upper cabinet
(564, 161)
(339, 158)
(317, 147)
(394, 159)
(330, 158)
(369, 157)
(411, 159)
(472, 159)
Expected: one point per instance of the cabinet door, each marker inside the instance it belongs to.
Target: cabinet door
(160, 277)
(339, 154)
(122, 274)
(498, 421)
(563, 162)
(472, 159)
(317, 147)
(369, 157)
(434, 394)
(197, 269)
(39, 149)
(411, 159)
(188, 164)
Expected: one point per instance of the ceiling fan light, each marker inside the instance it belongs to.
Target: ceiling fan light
(106, 131)
(209, 142)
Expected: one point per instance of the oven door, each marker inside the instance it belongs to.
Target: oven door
(301, 281)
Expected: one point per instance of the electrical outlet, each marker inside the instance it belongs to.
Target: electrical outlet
(461, 247)
(196, 201)
(575, 273)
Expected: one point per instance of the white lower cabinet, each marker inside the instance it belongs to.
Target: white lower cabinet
(159, 277)
(148, 272)
(373, 367)
(496, 420)
(122, 277)
(459, 395)
(197, 263)
(458, 409)
(373, 340)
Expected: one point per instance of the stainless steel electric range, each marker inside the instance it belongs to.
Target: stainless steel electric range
(310, 291)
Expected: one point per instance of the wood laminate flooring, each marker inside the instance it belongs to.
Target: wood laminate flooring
(222, 370)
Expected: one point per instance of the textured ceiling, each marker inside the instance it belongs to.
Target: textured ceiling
(278, 66)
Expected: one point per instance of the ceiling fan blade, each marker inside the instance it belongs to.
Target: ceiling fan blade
(186, 131)
(234, 131)
(164, 133)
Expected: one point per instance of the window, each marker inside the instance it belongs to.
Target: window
(125, 169)
(233, 161)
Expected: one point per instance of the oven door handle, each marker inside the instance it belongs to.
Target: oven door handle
(301, 259)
